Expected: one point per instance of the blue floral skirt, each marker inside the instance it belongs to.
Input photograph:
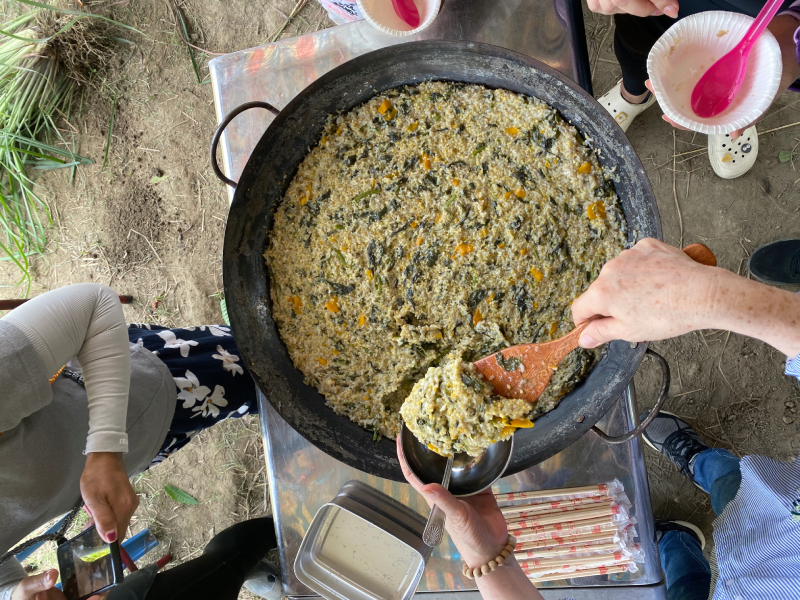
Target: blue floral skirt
(211, 380)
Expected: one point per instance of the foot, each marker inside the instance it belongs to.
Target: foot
(662, 527)
(777, 263)
(733, 158)
(265, 581)
(675, 439)
(621, 109)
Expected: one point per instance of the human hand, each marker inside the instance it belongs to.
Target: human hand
(107, 492)
(637, 8)
(475, 523)
(651, 292)
(38, 587)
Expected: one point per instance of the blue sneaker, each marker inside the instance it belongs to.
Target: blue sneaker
(661, 527)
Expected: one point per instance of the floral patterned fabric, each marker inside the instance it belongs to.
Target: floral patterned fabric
(211, 379)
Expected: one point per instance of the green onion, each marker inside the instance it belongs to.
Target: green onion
(450, 201)
(479, 149)
(341, 257)
(379, 284)
(363, 195)
(437, 117)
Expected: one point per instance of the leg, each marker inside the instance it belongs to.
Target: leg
(717, 472)
(211, 380)
(633, 39)
(686, 569)
(220, 572)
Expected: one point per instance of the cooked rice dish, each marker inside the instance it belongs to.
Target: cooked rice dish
(436, 219)
(453, 409)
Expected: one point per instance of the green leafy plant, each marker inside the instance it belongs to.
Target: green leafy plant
(787, 155)
(179, 495)
(42, 55)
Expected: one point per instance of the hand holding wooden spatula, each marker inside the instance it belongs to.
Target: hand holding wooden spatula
(524, 371)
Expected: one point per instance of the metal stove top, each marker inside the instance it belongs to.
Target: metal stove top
(301, 477)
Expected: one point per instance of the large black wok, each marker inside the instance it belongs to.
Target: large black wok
(274, 163)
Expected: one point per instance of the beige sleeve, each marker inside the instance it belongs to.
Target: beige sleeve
(85, 321)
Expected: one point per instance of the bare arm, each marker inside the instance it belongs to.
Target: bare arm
(654, 291)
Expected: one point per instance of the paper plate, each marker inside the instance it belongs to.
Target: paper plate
(685, 52)
(381, 15)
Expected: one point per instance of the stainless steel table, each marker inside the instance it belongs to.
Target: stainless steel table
(303, 478)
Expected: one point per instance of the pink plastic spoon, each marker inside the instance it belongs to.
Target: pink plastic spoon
(407, 11)
(719, 85)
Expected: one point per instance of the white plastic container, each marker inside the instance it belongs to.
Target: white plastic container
(685, 52)
(381, 15)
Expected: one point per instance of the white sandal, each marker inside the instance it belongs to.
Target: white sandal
(622, 110)
(733, 158)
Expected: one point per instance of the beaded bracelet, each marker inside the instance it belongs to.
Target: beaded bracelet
(477, 572)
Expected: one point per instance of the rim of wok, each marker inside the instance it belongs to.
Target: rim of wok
(274, 163)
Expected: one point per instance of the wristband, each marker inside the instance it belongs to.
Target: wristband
(477, 572)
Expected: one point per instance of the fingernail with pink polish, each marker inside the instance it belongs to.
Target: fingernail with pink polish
(112, 537)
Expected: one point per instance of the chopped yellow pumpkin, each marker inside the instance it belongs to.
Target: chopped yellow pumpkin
(339, 129)
(361, 320)
(512, 131)
(426, 161)
(412, 127)
(455, 182)
(322, 361)
(521, 423)
(523, 252)
(520, 193)
(297, 304)
(537, 274)
(414, 224)
(369, 274)
(333, 305)
(384, 107)
(553, 329)
(501, 245)
(506, 430)
(585, 168)
(303, 200)
(727, 157)
(419, 242)
(477, 317)
(597, 210)
(390, 115)
(464, 249)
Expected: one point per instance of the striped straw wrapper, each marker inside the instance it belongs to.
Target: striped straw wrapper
(601, 489)
(554, 505)
(553, 551)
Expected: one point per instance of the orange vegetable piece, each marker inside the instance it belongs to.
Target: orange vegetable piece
(537, 274)
(520, 193)
(512, 131)
(369, 274)
(585, 168)
(414, 224)
(553, 329)
(464, 249)
(419, 242)
(521, 423)
(322, 361)
(523, 252)
(477, 317)
(384, 107)
(297, 304)
(506, 431)
(333, 305)
(412, 127)
(361, 320)
(426, 161)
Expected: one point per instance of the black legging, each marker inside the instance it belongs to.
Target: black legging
(635, 36)
(219, 573)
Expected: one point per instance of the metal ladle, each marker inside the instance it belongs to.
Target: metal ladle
(469, 475)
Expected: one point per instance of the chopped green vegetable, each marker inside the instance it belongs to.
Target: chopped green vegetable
(479, 149)
(450, 201)
(437, 117)
(340, 256)
(363, 195)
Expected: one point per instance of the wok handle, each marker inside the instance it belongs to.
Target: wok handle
(218, 134)
(662, 397)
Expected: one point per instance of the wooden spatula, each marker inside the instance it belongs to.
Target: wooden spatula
(524, 371)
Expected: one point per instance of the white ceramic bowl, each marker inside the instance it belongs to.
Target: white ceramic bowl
(381, 15)
(685, 52)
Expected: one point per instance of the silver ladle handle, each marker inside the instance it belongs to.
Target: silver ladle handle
(434, 528)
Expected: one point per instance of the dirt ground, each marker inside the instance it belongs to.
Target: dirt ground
(151, 224)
